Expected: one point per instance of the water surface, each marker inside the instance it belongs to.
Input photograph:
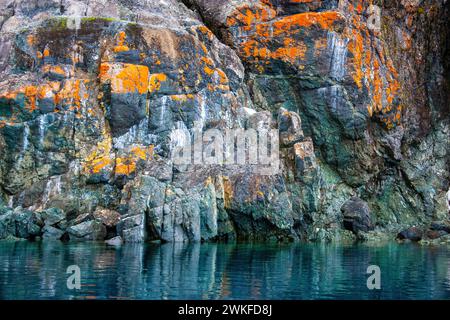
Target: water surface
(222, 271)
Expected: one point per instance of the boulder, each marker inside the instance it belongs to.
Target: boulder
(88, 230)
(357, 216)
(433, 234)
(116, 241)
(20, 223)
(53, 216)
(27, 223)
(52, 233)
(440, 226)
(81, 218)
(414, 234)
(109, 218)
(7, 225)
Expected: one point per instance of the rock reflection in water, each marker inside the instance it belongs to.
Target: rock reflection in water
(219, 271)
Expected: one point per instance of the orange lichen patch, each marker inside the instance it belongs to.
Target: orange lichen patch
(31, 40)
(223, 79)
(372, 69)
(208, 71)
(103, 70)
(182, 97)
(31, 95)
(292, 51)
(125, 78)
(72, 93)
(356, 47)
(99, 159)
(58, 70)
(203, 29)
(45, 91)
(143, 153)
(125, 166)
(289, 52)
(207, 61)
(155, 81)
(9, 95)
(263, 42)
(246, 15)
(325, 20)
(121, 46)
(219, 87)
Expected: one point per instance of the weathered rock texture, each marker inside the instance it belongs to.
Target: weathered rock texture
(91, 109)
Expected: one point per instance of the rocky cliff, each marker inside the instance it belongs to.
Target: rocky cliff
(96, 95)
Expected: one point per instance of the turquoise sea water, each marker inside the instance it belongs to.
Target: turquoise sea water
(222, 271)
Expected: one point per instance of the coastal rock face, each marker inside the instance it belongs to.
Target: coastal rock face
(97, 98)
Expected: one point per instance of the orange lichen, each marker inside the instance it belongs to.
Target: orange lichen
(56, 70)
(182, 97)
(325, 20)
(125, 166)
(31, 95)
(121, 46)
(264, 35)
(143, 153)
(70, 93)
(247, 15)
(372, 69)
(99, 158)
(125, 78)
(208, 70)
(155, 81)
(203, 29)
(31, 40)
(292, 51)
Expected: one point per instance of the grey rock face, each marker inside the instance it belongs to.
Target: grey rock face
(93, 109)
